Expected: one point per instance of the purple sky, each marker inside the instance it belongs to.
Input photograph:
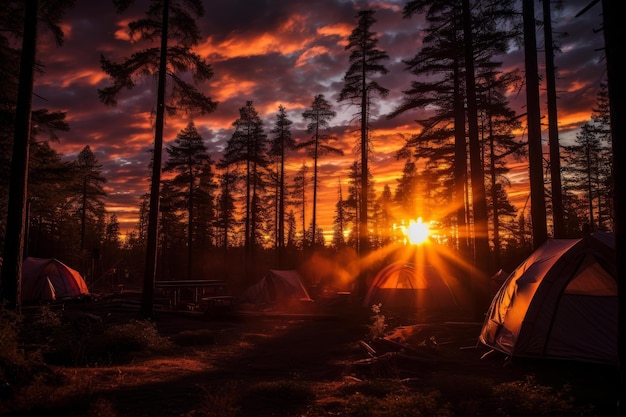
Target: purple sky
(273, 53)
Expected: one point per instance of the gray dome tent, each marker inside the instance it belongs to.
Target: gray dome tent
(560, 303)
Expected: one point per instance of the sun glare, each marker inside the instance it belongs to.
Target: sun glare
(417, 232)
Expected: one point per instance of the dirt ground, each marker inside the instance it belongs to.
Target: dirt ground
(323, 352)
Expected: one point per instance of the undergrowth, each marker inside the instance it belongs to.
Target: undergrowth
(31, 344)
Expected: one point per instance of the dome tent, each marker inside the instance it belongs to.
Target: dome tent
(282, 289)
(407, 288)
(48, 279)
(560, 303)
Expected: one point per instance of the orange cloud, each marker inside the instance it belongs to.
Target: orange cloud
(122, 32)
(573, 120)
(85, 76)
(310, 54)
(272, 109)
(340, 29)
(226, 86)
(285, 40)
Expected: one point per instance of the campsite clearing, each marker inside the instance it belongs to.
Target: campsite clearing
(293, 365)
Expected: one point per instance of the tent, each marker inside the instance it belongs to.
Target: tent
(48, 279)
(404, 287)
(280, 288)
(497, 280)
(560, 303)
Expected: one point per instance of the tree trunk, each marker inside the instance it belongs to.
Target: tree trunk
(535, 151)
(16, 215)
(190, 224)
(363, 232)
(558, 219)
(281, 211)
(315, 158)
(147, 302)
(460, 168)
(614, 35)
(480, 282)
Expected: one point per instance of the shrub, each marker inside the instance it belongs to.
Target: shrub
(414, 404)
(13, 365)
(379, 325)
(20, 369)
(81, 339)
(122, 343)
(527, 398)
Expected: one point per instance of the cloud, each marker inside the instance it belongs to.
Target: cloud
(274, 53)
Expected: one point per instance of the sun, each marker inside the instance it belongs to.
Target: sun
(417, 232)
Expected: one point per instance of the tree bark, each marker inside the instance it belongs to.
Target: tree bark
(558, 219)
(535, 150)
(147, 302)
(480, 280)
(614, 35)
(15, 238)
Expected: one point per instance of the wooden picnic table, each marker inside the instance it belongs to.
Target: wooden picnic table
(199, 288)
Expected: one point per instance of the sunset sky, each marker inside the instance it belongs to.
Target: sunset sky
(274, 53)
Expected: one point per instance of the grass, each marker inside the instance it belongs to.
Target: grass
(42, 357)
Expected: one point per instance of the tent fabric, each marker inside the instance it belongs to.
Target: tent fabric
(278, 287)
(48, 279)
(406, 287)
(559, 303)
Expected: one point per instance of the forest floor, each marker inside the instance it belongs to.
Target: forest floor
(260, 364)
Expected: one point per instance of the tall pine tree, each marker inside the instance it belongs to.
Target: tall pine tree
(359, 87)
(188, 158)
(318, 117)
(177, 33)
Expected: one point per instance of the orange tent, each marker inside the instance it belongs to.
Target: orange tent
(48, 279)
(405, 287)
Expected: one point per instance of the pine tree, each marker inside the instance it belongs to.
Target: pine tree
(406, 191)
(498, 122)
(247, 148)
(50, 187)
(225, 216)
(205, 212)
(177, 34)
(188, 158)
(282, 142)
(112, 232)
(339, 223)
(359, 86)
(172, 232)
(460, 44)
(586, 172)
(298, 196)
(352, 203)
(535, 152)
(558, 219)
(89, 192)
(318, 116)
(386, 217)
